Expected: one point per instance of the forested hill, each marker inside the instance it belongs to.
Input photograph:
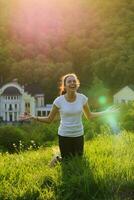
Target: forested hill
(42, 40)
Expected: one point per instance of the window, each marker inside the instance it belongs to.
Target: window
(42, 101)
(48, 112)
(15, 116)
(10, 117)
(27, 104)
(10, 106)
(5, 116)
(27, 107)
(44, 113)
(123, 101)
(39, 113)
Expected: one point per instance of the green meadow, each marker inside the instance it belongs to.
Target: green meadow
(106, 172)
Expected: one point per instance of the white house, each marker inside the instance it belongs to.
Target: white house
(16, 99)
(124, 95)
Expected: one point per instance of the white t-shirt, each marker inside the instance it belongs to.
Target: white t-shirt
(71, 115)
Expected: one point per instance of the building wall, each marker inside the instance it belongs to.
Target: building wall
(28, 99)
(12, 106)
(39, 101)
(43, 111)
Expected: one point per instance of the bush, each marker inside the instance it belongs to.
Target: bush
(91, 128)
(25, 136)
(10, 138)
(127, 116)
(40, 133)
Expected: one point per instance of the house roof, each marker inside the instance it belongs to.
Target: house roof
(32, 89)
(131, 86)
(11, 91)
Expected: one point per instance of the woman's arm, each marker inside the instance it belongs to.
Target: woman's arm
(47, 119)
(54, 111)
(88, 114)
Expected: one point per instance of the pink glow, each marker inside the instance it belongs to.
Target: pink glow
(40, 19)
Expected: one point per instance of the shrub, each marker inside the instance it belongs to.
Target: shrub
(127, 116)
(10, 138)
(91, 128)
(40, 133)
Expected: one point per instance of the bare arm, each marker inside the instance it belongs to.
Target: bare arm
(54, 111)
(88, 114)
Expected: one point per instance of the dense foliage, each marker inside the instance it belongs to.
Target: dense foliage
(22, 137)
(127, 116)
(10, 138)
(46, 40)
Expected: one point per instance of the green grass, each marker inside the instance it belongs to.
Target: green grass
(106, 172)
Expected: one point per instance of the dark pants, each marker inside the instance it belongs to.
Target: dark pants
(71, 146)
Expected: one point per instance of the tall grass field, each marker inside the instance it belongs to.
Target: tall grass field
(106, 172)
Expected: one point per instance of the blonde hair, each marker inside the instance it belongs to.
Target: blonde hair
(63, 82)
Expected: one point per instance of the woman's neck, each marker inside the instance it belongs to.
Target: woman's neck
(70, 96)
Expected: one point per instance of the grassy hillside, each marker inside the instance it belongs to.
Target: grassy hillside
(105, 173)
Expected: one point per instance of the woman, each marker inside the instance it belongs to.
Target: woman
(71, 105)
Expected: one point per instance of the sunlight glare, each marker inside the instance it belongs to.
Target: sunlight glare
(41, 20)
(112, 121)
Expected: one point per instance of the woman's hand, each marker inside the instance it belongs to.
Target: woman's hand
(25, 116)
(90, 115)
(112, 109)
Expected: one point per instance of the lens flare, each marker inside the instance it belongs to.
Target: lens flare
(112, 120)
(102, 100)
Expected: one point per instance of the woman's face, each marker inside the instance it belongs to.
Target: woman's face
(71, 84)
